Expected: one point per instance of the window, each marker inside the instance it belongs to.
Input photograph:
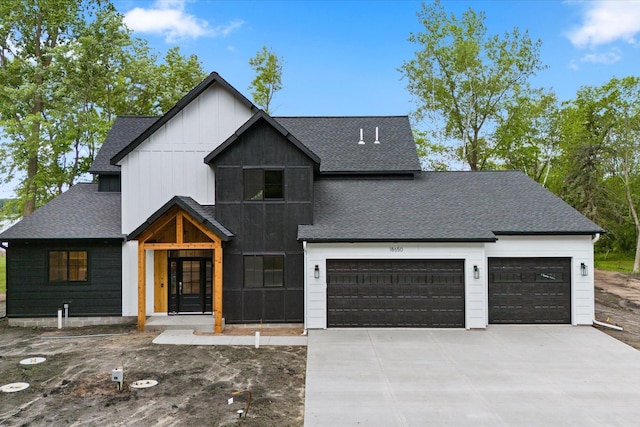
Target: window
(261, 184)
(264, 271)
(68, 266)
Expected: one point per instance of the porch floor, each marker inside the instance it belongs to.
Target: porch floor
(196, 322)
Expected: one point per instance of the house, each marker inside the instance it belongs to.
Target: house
(217, 207)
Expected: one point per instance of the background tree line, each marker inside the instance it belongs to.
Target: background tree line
(476, 109)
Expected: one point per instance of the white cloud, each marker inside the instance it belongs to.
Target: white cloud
(610, 57)
(169, 18)
(607, 21)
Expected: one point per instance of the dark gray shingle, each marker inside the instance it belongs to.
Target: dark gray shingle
(335, 141)
(124, 130)
(79, 213)
(440, 206)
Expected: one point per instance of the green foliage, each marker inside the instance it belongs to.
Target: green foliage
(68, 68)
(268, 80)
(614, 261)
(601, 160)
(468, 83)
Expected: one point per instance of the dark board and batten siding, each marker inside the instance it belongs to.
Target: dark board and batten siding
(530, 290)
(29, 293)
(263, 227)
(395, 293)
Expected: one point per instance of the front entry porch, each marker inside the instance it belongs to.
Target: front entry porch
(182, 242)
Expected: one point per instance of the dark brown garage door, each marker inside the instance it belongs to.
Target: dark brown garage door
(388, 293)
(529, 290)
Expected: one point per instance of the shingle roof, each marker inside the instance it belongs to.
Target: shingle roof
(124, 130)
(335, 141)
(439, 206)
(203, 213)
(79, 213)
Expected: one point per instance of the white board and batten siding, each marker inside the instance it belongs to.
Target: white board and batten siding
(171, 163)
(578, 248)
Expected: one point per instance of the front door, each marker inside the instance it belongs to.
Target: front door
(189, 285)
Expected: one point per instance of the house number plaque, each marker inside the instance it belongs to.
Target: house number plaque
(397, 249)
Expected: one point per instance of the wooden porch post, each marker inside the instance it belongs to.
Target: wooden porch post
(142, 284)
(217, 287)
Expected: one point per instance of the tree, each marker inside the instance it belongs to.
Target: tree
(467, 82)
(622, 100)
(530, 140)
(68, 67)
(268, 80)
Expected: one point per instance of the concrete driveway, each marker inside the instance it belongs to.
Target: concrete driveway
(505, 375)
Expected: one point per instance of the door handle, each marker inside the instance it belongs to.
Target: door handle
(180, 288)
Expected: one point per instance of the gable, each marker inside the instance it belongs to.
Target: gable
(261, 140)
(208, 114)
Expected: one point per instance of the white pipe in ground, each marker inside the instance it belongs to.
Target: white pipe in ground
(59, 318)
(607, 325)
(257, 339)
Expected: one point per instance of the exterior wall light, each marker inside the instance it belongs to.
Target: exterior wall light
(584, 270)
(476, 272)
(316, 272)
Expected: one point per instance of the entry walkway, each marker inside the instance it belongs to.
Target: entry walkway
(188, 337)
(505, 375)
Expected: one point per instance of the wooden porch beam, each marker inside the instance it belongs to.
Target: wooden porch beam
(217, 288)
(142, 291)
(179, 228)
(176, 246)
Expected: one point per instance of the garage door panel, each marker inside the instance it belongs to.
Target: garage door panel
(530, 290)
(404, 293)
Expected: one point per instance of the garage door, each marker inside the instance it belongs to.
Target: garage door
(388, 293)
(529, 290)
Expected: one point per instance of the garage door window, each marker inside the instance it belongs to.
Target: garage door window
(264, 271)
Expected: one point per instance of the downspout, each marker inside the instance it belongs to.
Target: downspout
(595, 238)
(304, 283)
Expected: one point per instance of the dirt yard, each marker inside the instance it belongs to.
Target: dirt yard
(618, 303)
(74, 388)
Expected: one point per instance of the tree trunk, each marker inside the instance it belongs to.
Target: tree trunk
(634, 215)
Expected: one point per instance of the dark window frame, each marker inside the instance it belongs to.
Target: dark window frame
(262, 184)
(263, 271)
(68, 267)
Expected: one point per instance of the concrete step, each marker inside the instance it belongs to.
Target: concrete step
(196, 322)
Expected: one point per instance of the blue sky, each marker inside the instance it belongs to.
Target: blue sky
(342, 57)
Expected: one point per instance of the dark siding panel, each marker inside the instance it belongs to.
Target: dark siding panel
(299, 182)
(232, 177)
(29, 294)
(109, 183)
(232, 304)
(264, 227)
(274, 306)
(294, 305)
(275, 239)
